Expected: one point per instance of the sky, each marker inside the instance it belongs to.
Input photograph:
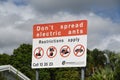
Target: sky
(17, 18)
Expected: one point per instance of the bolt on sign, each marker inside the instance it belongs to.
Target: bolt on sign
(62, 44)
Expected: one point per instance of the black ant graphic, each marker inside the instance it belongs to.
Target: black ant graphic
(51, 51)
(79, 50)
(64, 51)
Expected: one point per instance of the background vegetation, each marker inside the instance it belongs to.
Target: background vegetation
(97, 66)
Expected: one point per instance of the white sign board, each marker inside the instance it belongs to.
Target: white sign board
(62, 44)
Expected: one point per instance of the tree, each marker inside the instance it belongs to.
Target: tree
(67, 74)
(99, 58)
(95, 69)
(4, 59)
(117, 68)
(21, 59)
(102, 74)
(90, 64)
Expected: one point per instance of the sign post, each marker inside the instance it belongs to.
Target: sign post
(82, 73)
(37, 74)
(62, 44)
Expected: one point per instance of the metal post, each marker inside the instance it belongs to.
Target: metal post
(107, 59)
(37, 74)
(82, 73)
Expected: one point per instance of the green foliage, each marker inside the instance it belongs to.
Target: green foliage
(117, 68)
(4, 59)
(68, 74)
(21, 59)
(96, 68)
(44, 74)
(102, 74)
(98, 58)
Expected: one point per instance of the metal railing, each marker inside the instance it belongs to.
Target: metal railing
(15, 71)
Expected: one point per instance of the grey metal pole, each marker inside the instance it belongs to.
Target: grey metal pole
(37, 74)
(108, 60)
(82, 73)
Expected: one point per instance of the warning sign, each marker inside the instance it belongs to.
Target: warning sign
(65, 51)
(62, 44)
(51, 52)
(38, 53)
(79, 50)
